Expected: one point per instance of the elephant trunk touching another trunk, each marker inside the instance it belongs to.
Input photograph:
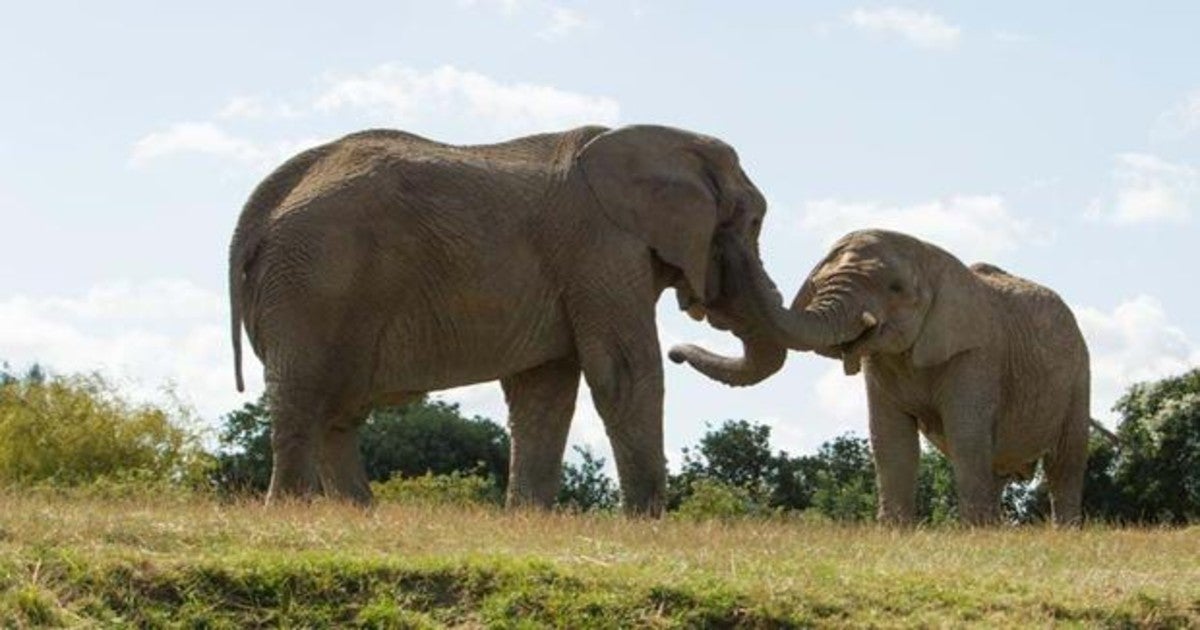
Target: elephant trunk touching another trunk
(770, 329)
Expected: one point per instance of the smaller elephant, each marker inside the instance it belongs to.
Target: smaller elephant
(991, 368)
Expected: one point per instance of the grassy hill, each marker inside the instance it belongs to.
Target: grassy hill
(75, 560)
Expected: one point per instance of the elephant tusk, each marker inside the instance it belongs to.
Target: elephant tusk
(868, 320)
(697, 312)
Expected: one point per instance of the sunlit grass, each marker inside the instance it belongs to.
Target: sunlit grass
(67, 559)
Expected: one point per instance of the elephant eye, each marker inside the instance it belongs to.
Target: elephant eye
(896, 287)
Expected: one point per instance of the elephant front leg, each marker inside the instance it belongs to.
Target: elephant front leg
(627, 390)
(612, 316)
(897, 451)
(541, 402)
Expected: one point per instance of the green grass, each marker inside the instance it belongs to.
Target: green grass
(80, 561)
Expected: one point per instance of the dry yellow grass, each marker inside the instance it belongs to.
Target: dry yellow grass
(649, 572)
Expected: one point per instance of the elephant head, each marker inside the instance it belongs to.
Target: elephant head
(687, 198)
(875, 292)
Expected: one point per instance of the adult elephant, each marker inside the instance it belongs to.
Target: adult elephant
(990, 367)
(384, 265)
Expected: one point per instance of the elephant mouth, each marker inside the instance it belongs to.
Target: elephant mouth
(700, 313)
(854, 350)
(713, 315)
(689, 302)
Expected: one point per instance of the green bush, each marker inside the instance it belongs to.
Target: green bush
(712, 499)
(455, 488)
(585, 488)
(76, 430)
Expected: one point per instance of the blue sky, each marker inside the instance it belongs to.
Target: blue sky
(1061, 144)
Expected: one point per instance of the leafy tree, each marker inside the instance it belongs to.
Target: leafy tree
(839, 480)
(794, 481)
(585, 488)
(244, 456)
(78, 429)
(1156, 470)
(845, 479)
(432, 436)
(737, 455)
(1102, 497)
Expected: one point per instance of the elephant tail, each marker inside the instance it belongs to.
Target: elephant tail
(248, 237)
(1105, 433)
(236, 274)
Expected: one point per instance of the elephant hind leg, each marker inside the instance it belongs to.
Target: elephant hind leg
(541, 402)
(1066, 466)
(341, 469)
(294, 442)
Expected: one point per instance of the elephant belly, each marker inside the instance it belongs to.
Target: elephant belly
(1032, 419)
(469, 340)
(1023, 439)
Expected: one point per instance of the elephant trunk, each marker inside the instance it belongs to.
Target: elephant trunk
(815, 321)
(742, 273)
(761, 358)
(768, 329)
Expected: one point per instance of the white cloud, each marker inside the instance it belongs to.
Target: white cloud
(920, 28)
(407, 96)
(563, 22)
(443, 102)
(1182, 119)
(156, 300)
(256, 108)
(206, 138)
(145, 336)
(971, 227)
(1148, 189)
(1134, 342)
(194, 137)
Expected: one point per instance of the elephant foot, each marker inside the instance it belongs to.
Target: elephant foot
(645, 506)
(979, 516)
(522, 502)
(892, 519)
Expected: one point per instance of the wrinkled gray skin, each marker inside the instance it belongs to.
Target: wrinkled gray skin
(383, 265)
(990, 367)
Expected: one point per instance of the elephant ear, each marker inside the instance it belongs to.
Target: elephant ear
(655, 183)
(952, 324)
